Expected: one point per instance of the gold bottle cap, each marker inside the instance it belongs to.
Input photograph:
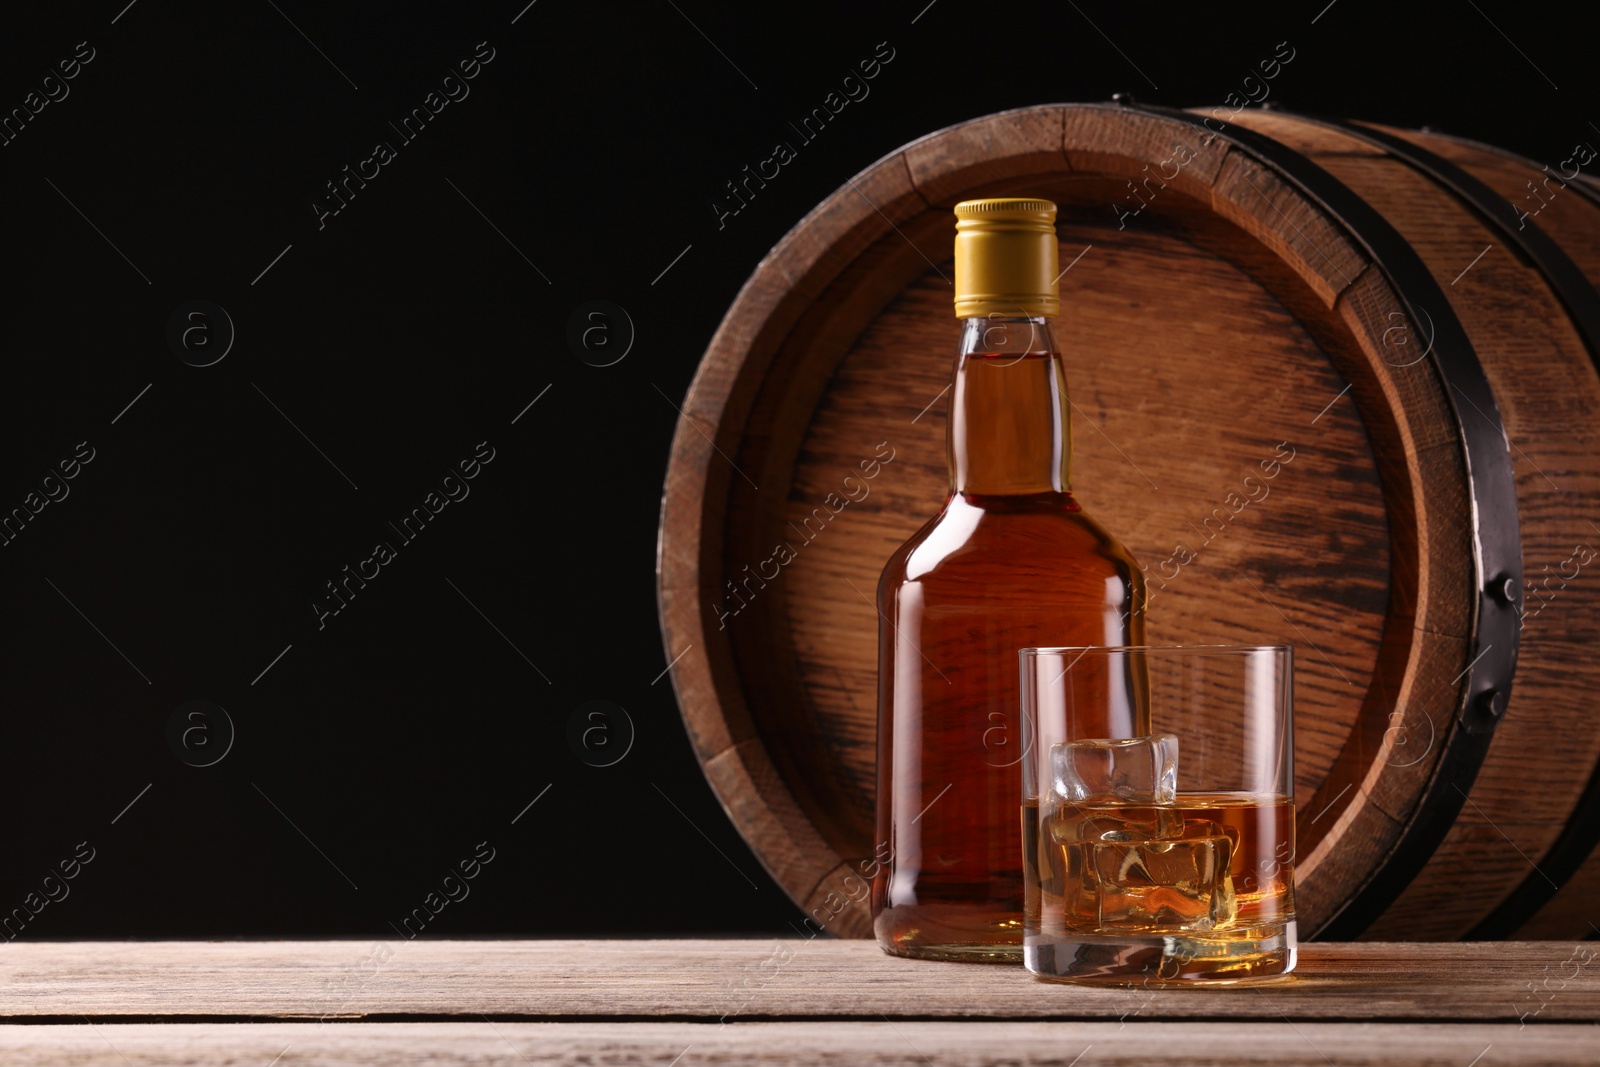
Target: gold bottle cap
(1006, 258)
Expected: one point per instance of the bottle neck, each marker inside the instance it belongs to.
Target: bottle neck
(1009, 432)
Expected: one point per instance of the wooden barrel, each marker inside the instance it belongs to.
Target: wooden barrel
(1400, 327)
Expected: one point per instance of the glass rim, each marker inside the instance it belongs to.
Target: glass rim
(1212, 650)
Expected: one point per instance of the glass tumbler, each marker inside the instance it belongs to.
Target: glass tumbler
(1168, 855)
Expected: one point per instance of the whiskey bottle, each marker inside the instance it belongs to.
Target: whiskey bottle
(1011, 561)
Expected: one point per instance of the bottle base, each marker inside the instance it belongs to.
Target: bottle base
(959, 932)
(955, 953)
(1261, 955)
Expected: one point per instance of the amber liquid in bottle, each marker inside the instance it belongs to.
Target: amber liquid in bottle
(1011, 561)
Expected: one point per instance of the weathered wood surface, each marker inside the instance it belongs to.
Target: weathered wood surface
(1516, 983)
(517, 1044)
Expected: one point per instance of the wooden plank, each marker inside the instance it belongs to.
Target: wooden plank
(1269, 208)
(481, 1042)
(1510, 982)
(1304, 137)
(946, 166)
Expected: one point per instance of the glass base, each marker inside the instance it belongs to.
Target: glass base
(1237, 957)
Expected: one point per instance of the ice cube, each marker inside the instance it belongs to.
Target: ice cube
(1177, 884)
(1071, 822)
(1112, 771)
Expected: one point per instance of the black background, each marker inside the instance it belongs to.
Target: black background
(379, 750)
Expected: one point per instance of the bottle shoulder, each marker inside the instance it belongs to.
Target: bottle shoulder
(1036, 533)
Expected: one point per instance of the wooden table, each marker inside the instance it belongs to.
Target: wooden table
(127, 1004)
